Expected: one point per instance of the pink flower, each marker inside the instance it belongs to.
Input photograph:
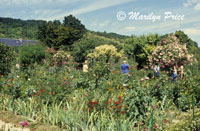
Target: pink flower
(24, 124)
(155, 127)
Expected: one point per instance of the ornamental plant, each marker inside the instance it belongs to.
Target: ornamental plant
(61, 57)
(170, 53)
(107, 52)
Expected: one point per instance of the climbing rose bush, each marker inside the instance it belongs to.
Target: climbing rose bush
(170, 53)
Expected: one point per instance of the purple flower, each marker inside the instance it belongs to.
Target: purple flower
(158, 85)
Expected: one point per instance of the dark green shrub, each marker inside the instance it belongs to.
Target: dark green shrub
(31, 54)
(6, 59)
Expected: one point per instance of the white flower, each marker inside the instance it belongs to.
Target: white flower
(17, 76)
(29, 79)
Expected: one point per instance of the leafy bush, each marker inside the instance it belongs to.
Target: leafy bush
(140, 48)
(88, 43)
(30, 54)
(6, 59)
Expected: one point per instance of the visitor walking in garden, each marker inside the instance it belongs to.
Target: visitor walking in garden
(157, 70)
(125, 68)
(85, 66)
(125, 71)
(174, 74)
(181, 69)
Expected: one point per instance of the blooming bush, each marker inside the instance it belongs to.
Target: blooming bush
(170, 53)
(107, 52)
(61, 57)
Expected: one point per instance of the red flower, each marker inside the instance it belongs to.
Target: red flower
(11, 79)
(49, 93)
(165, 121)
(117, 102)
(122, 112)
(8, 85)
(53, 93)
(42, 90)
(95, 102)
(119, 97)
(155, 127)
(90, 109)
(110, 100)
(119, 106)
(38, 93)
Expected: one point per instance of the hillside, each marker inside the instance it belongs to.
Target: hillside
(17, 28)
(27, 29)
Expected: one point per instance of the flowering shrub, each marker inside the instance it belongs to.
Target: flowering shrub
(170, 53)
(61, 57)
(107, 52)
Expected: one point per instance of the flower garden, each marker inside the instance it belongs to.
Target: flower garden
(50, 88)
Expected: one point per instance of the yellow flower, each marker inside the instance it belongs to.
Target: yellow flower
(185, 93)
(122, 94)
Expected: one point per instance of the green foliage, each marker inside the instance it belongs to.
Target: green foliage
(16, 28)
(73, 22)
(88, 43)
(30, 54)
(184, 39)
(111, 35)
(6, 59)
(57, 35)
(141, 47)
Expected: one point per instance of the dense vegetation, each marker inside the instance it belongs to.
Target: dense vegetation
(16, 28)
(45, 82)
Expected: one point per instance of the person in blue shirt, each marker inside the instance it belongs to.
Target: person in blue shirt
(125, 72)
(125, 68)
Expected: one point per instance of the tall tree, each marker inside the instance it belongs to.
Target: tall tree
(58, 35)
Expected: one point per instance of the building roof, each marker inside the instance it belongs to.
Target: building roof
(15, 42)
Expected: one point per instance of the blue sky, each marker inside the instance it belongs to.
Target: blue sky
(101, 15)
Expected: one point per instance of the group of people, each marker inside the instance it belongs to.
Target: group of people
(125, 71)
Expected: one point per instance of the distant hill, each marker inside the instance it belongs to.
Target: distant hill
(17, 28)
(27, 29)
